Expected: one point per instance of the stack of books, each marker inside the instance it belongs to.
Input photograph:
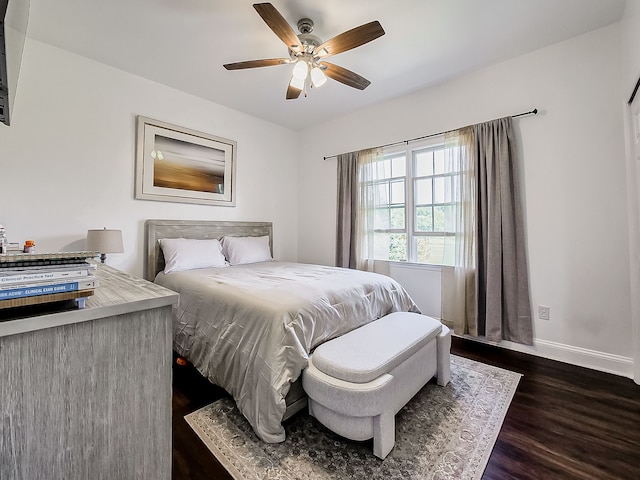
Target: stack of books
(35, 278)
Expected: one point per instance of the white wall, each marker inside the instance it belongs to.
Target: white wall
(67, 163)
(573, 165)
(631, 46)
(631, 68)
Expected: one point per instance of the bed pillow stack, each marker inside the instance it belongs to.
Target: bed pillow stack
(243, 250)
(189, 253)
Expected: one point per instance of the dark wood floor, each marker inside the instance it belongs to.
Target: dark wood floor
(565, 422)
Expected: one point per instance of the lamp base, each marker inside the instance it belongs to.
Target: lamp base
(103, 257)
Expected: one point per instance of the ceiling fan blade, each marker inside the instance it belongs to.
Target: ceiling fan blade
(293, 92)
(279, 25)
(345, 76)
(350, 39)
(267, 62)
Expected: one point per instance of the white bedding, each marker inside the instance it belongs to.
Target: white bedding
(250, 328)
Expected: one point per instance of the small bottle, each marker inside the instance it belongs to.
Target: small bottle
(29, 246)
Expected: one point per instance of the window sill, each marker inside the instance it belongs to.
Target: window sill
(416, 266)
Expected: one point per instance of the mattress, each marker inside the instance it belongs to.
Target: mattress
(251, 328)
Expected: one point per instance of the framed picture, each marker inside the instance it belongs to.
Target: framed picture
(175, 164)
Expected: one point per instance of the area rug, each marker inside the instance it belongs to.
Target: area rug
(442, 433)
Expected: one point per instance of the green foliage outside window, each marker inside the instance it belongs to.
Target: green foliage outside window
(398, 248)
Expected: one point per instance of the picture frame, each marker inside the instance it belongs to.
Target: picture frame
(176, 164)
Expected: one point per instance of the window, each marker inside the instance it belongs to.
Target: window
(414, 203)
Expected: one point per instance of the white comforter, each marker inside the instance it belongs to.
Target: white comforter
(250, 328)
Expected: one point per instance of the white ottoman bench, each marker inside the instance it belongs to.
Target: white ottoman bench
(358, 382)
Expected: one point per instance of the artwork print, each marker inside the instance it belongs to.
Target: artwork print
(175, 164)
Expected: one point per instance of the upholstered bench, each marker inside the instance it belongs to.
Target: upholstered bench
(358, 382)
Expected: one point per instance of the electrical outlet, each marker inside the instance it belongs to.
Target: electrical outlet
(544, 312)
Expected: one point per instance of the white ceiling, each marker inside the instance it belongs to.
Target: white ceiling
(184, 43)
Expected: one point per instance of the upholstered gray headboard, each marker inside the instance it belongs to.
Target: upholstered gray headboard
(157, 229)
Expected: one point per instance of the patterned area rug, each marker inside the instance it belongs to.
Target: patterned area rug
(442, 433)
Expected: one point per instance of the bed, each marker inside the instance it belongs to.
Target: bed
(250, 327)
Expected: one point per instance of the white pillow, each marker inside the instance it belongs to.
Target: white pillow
(190, 253)
(241, 250)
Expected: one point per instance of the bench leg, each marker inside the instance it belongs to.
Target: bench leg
(384, 434)
(443, 343)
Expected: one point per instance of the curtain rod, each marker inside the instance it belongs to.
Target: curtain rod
(532, 112)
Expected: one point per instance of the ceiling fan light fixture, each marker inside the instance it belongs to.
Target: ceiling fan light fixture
(318, 78)
(300, 70)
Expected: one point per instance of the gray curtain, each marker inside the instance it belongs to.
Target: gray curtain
(504, 306)
(346, 235)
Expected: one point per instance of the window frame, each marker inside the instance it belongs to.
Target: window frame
(410, 202)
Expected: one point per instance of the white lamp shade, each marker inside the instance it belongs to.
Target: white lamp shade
(105, 241)
(300, 70)
(318, 77)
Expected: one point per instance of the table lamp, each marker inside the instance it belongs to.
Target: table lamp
(105, 241)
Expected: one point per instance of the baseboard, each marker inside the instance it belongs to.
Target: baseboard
(582, 357)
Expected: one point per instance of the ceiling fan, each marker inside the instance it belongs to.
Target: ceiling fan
(308, 52)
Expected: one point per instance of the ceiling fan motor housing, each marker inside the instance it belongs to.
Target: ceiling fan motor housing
(305, 25)
(308, 41)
